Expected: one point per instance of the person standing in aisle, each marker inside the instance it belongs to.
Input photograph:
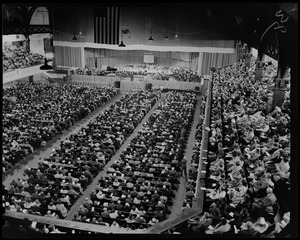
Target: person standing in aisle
(183, 167)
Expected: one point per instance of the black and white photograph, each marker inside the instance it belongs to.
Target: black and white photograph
(145, 119)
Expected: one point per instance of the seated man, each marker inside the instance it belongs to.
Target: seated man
(114, 215)
(260, 204)
(140, 219)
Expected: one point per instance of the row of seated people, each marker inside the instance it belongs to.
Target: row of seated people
(34, 113)
(193, 170)
(146, 176)
(21, 228)
(249, 166)
(74, 164)
(16, 57)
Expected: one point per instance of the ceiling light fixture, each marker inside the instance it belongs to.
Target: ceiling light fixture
(122, 44)
(166, 37)
(150, 38)
(46, 66)
(176, 35)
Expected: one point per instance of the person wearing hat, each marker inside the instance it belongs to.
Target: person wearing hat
(204, 221)
(246, 229)
(88, 203)
(62, 209)
(65, 199)
(183, 165)
(222, 227)
(260, 225)
(244, 214)
(105, 213)
(269, 214)
(236, 219)
(130, 219)
(139, 219)
(82, 211)
(49, 214)
(114, 215)
(54, 230)
(153, 221)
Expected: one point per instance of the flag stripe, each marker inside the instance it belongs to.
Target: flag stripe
(112, 26)
(95, 27)
(104, 31)
(98, 27)
(106, 25)
(118, 24)
(100, 31)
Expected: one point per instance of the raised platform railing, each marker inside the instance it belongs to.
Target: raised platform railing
(21, 73)
(200, 190)
(69, 224)
(127, 85)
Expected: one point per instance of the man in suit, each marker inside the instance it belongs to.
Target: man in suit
(183, 167)
(260, 204)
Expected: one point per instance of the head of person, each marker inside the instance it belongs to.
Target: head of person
(269, 190)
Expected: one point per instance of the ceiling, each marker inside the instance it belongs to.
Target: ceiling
(270, 27)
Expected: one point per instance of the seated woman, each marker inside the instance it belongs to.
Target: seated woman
(115, 224)
(130, 219)
(62, 209)
(222, 227)
(216, 193)
(200, 224)
(153, 221)
(100, 195)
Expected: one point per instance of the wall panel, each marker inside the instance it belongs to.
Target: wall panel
(67, 56)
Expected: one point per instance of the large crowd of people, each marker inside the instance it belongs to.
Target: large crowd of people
(16, 57)
(138, 189)
(34, 113)
(52, 188)
(248, 173)
(192, 175)
(248, 187)
(157, 72)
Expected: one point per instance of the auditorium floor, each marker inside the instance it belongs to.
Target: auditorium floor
(92, 186)
(45, 152)
(180, 196)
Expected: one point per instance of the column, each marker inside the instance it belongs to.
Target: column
(27, 42)
(82, 57)
(247, 60)
(279, 92)
(259, 70)
(200, 63)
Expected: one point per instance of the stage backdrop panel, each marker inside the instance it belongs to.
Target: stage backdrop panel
(99, 57)
(216, 60)
(68, 56)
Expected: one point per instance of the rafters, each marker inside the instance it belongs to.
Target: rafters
(23, 27)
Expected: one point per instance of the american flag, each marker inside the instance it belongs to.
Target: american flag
(106, 25)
